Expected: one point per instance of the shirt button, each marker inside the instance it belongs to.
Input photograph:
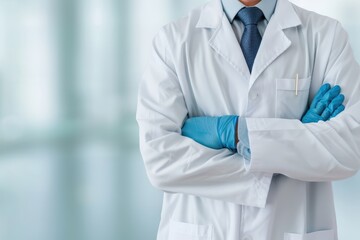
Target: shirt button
(253, 96)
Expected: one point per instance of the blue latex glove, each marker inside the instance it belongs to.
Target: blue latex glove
(326, 104)
(219, 132)
(212, 132)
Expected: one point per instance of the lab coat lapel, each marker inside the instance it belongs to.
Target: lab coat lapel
(223, 41)
(275, 42)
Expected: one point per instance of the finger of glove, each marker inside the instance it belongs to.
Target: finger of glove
(326, 99)
(326, 114)
(336, 102)
(337, 111)
(331, 94)
(320, 107)
(320, 93)
(311, 117)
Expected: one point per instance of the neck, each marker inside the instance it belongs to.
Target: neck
(250, 3)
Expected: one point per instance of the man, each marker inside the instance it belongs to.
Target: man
(247, 71)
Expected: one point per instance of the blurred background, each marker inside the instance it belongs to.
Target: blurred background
(70, 168)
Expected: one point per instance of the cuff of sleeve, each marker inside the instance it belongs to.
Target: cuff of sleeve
(262, 187)
(243, 146)
(265, 135)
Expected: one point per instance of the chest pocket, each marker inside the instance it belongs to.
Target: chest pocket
(188, 231)
(291, 97)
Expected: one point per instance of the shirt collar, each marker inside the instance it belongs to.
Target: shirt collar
(232, 7)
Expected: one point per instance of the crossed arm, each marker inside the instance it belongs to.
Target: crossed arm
(322, 151)
(231, 132)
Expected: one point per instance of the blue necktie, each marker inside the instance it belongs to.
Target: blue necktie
(251, 38)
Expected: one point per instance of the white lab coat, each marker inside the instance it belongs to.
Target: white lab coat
(198, 69)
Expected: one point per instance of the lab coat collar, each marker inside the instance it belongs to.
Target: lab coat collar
(224, 41)
(275, 42)
(285, 15)
(211, 14)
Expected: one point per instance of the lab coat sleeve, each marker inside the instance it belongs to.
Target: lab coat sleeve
(323, 151)
(178, 164)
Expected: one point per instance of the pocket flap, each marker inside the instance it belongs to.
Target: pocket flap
(320, 235)
(290, 84)
(182, 230)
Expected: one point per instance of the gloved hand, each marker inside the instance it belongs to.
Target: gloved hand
(219, 132)
(212, 132)
(326, 104)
